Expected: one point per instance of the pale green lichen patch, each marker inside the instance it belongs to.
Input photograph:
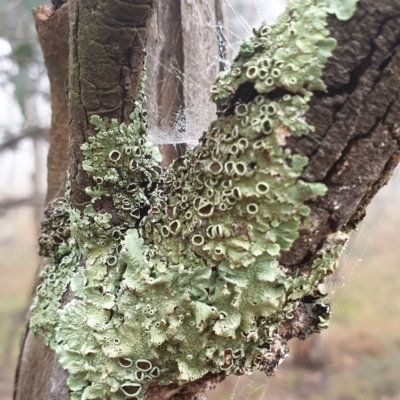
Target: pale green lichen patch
(289, 54)
(343, 9)
(188, 281)
(119, 157)
(55, 242)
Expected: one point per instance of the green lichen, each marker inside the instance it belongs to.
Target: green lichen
(290, 54)
(56, 243)
(55, 230)
(343, 9)
(180, 276)
(121, 164)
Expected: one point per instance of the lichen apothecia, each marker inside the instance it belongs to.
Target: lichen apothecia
(189, 282)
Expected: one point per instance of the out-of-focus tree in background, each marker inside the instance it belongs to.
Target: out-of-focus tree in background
(24, 121)
(24, 113)
(358, 359)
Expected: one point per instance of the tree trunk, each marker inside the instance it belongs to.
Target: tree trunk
(52, 28)
(39, 375)
(38, 371)
(353, 151)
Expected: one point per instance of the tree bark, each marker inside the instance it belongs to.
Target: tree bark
(52, 29)
(356, 144)
(38, 371)
(353, 151)
(114, 35)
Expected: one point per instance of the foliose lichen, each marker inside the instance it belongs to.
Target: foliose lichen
(55, 230)
(188, 280)
(343, 10)
(56, 243)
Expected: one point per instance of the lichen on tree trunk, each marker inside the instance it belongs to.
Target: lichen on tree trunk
(104, 72)
(240, 293)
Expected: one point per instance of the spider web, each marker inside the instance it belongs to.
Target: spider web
(189, 123)
(362, 240)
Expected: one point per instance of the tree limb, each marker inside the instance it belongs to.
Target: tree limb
(52, 29)
(31, 132)
(356, 145)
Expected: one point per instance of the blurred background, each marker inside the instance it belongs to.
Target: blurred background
(358, 358)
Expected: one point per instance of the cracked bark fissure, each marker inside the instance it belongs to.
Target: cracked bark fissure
(356, 143)
(107, 42)
(353, 151)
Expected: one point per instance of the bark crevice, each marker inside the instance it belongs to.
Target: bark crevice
(355, 144)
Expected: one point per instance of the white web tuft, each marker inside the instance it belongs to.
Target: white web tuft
(189, 123)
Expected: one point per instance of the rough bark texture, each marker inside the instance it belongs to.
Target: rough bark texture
(356, 144)
(52, 28)
(107, 42)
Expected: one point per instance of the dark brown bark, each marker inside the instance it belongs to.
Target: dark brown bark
(52, 28)
(356, 144)
(107, 42)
